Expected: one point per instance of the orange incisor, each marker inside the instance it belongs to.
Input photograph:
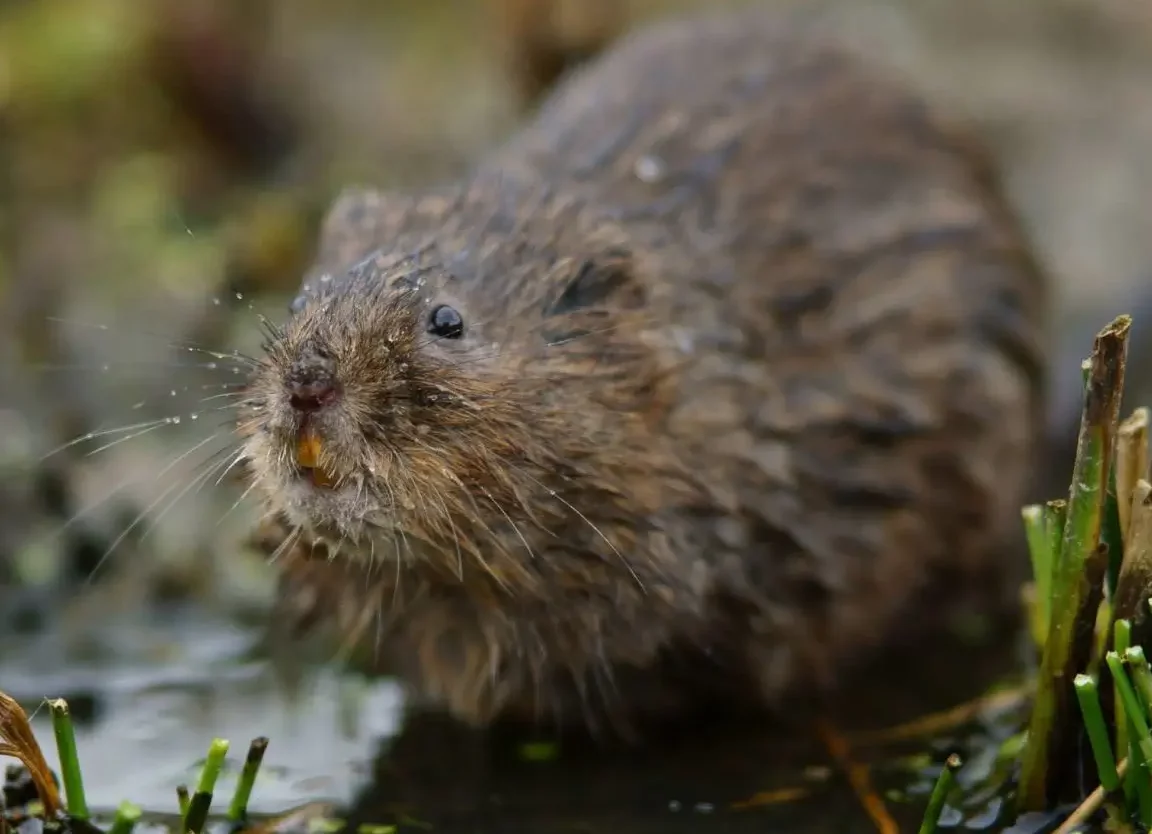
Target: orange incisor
(308, 456)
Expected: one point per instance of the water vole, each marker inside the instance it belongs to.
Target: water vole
(704, 376)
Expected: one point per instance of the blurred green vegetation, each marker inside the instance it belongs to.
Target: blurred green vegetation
(156, 155)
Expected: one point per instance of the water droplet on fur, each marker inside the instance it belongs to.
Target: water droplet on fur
(325, 278)
(175, 420)
(239, 296)
(172, 393)
(649, 169)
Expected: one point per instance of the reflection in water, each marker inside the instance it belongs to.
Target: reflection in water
(160, 691)
(151, 707)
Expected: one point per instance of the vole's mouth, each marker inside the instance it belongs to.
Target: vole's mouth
(309, 448)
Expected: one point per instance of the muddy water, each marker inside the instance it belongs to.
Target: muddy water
(159, 688)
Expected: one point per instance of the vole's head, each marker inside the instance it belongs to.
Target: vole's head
(454, 400)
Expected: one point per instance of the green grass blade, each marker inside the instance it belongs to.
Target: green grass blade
(201, 800)
(1121, 642)
(1097, 731)
(1138, 723)
(1042, 561)
(940, 791)
(70, 773)
(127, 815)
(1050, 763)
(238, 810)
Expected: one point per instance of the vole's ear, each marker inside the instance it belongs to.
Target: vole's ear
(606, 279)
(356, 223)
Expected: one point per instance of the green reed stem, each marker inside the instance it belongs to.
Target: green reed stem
(1139, 740)
(127, 815)
(201, 801)
(940, 791)
(1111, 534)
(1048, 771)
(1089, 699)
(1141, 675)
(70, 773)
(1121, 641)
(1043, 558)
(238, 810)
(1132, 708)
(182, 801)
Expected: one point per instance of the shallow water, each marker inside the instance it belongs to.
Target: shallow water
(159, 688)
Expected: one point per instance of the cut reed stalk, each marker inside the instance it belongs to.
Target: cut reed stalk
(201, 800)
(1050, 766)
(238, 810)
(127, 815)
(940, 791)
(1097, 729)
(70, 773)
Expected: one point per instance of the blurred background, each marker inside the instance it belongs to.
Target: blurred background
(163, 169)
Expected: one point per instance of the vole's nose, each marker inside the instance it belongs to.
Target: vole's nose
(311, 381)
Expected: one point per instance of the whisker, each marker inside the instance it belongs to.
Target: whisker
(149, 428)
(287, 544)
(223, 396)
(585, 335)
(554, 494)
(141, 516)
(95, 505)
(199, 479)
(379, 641)
(92, 435)
(107, 367)
(508, 518)
(108, 496)
(236, 503)
(399, 560)
(184, 455)
(335, 552)
(166, 340)
(239, 456)
(479, 519)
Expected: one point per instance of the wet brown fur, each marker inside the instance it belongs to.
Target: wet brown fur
(750, 359)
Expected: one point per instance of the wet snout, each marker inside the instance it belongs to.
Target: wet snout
(311, 380)
(312, 385)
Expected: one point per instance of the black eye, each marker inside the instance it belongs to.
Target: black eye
(446, 323)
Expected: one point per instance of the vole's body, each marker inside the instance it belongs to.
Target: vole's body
(749, 359)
